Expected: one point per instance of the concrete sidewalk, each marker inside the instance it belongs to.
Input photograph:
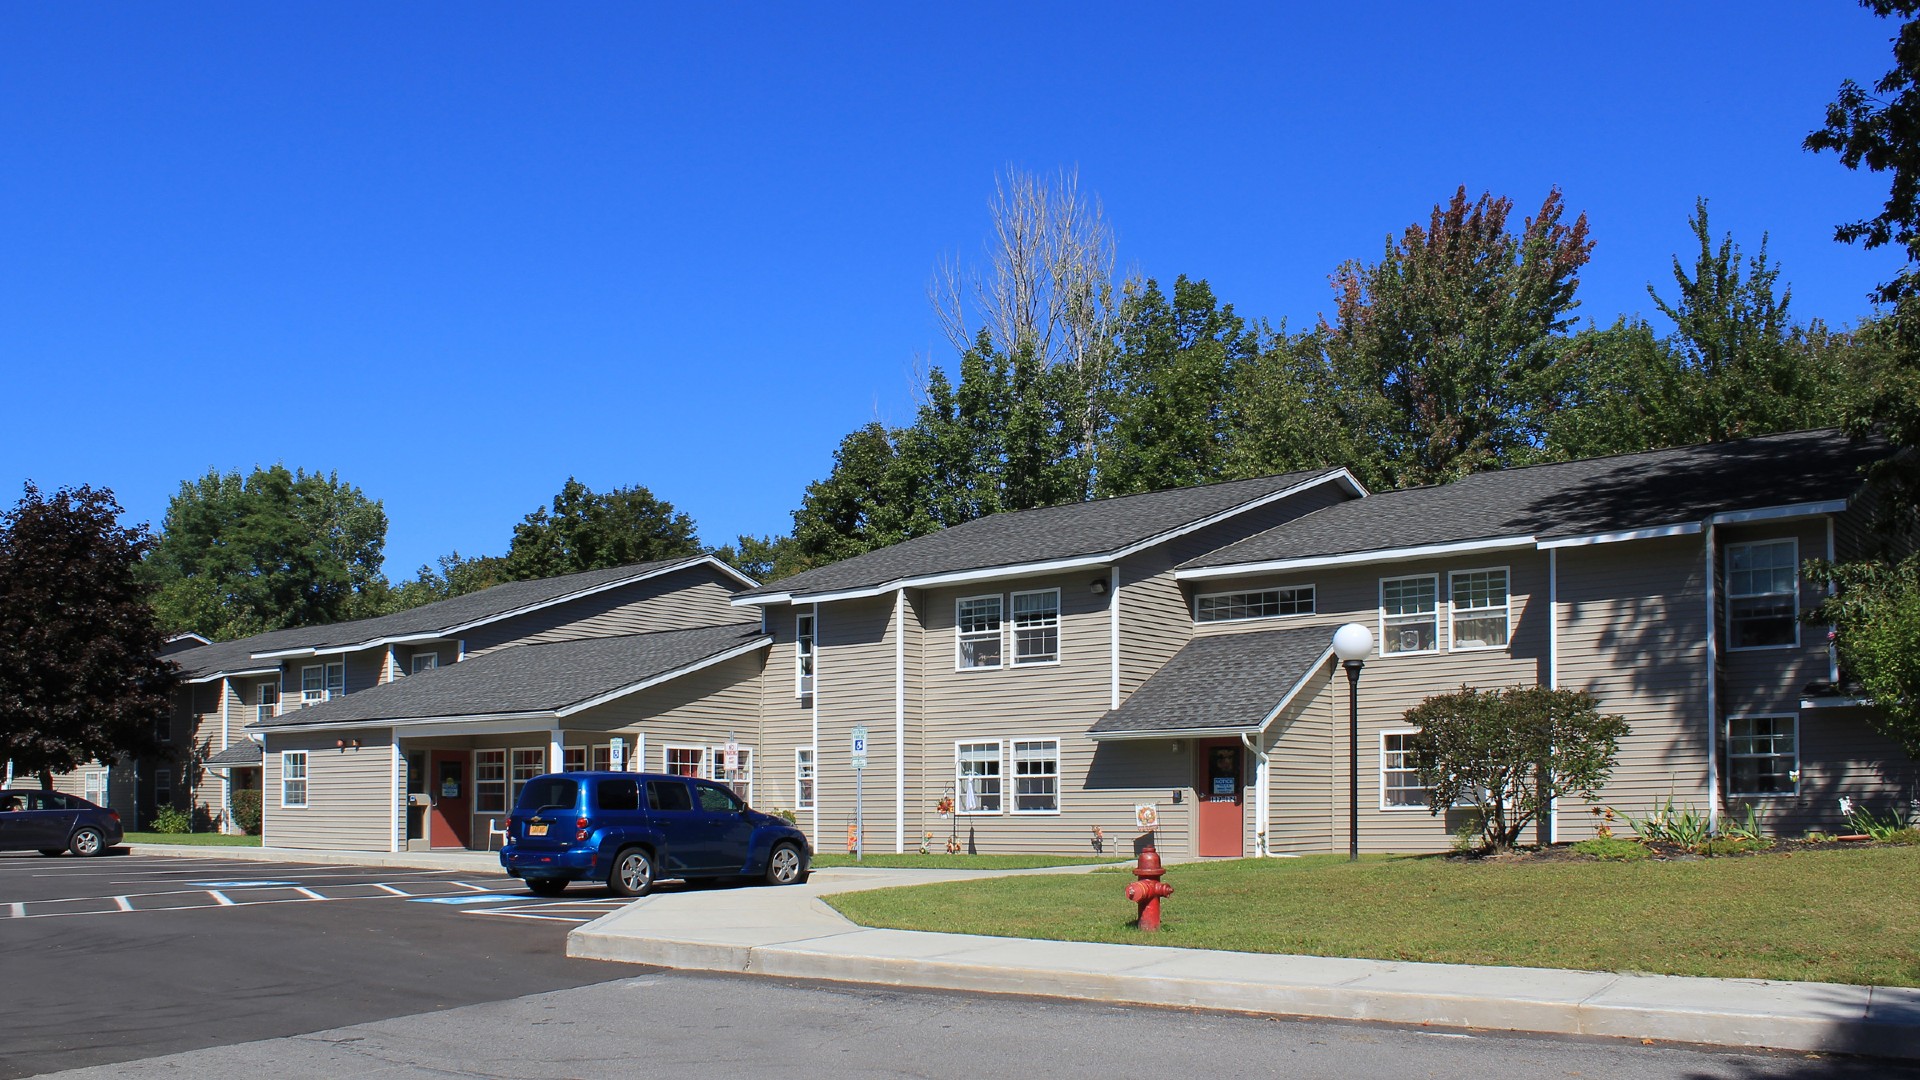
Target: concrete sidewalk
(791, 932)
(468, 862)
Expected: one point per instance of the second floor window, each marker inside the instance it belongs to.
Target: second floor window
(1264, 604)
(267, 703)
(1480, 619)
(978, 619)
(426, 661)
(1036, 627)
(319, 682)
(1763, 602)
(1409, 614)
(803, 654)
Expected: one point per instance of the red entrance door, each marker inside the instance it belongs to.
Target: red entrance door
(1222, 817)
(452, 800)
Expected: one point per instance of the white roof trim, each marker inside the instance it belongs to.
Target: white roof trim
(1689, 528)
(1825, 702)
(634, 688)
(1770, 513)
(1355, 558)
(223, 674)
(188, 635)
(1287, 698)
(435, 635)
(960, 577)
(1173, 736)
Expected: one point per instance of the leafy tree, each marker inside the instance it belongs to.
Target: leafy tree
(589, 531)
(80, 670)
(1173, 399)
(273, 549)
(1875, 614)
(758, 557)
(453, 575)
(868, 501)
(1510, 752)
(1442, 354)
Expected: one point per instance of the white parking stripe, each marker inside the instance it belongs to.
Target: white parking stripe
(124, 903)
(219, 898)
(309, 894)
(19, 911)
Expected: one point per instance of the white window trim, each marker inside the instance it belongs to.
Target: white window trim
(803, 681)
(1453, 610)
(1308, 587)
(326, 691)
(1385, 806)
(1000, 756)
(514, 786)
(1381, 614)
(666, 755)
(413, 662)
(1010, 635)
(1731, 597)
(959, 636)
(809, 772)
(505, 781)
(1731, 756)
(306, 780)
(1009, 784)
(716, 759)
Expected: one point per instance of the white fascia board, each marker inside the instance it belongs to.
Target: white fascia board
(1774, 513)
(1836, 703)
(197, 680)
(763, 600)
(1687, 528)
(1181, 733)
(634, 688)
(314, 650)
(481, 724)
(1355, 558)
(445, 632)
(1052, 566)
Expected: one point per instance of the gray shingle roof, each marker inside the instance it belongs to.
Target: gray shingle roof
(1222, 682)
(1076, 530)
(1575, 498)
(244, 752)
(225, 657)
(527, 678)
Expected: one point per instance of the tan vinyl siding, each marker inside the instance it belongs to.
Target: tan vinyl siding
(786, 720)
(696, 596)
(1300, 770)
(349, 792)
(1773, 679)
(854, 683)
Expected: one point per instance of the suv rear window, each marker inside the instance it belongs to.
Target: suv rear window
(617, 795)
(544, 791)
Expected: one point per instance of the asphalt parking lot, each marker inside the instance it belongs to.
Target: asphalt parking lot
(125, 956)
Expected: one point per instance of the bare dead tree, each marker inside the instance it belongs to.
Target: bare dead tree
(1048, 284)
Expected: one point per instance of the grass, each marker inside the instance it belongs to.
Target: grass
(959, 862)
(1821, 916)
(204, 839)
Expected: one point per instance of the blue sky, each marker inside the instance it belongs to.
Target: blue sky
(460, 252)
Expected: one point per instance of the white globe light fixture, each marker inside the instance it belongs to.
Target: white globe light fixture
(1352, 643)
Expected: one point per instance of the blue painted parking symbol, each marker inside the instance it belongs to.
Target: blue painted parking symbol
(477, 898)
(238, 884)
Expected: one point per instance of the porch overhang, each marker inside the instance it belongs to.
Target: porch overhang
(1221, 685)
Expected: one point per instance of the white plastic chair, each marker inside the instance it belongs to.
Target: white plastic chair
(494, 828)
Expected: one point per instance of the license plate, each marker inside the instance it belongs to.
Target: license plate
(536, 830)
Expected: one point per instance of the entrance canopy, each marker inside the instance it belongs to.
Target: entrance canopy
(1221, 684)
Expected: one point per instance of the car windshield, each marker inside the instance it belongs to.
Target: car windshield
(545, 791)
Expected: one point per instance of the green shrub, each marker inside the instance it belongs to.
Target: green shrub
(1732, 845)
(1613, 848)
(171, 819)
(246, 810)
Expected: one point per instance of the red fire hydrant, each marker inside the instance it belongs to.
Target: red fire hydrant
(1149, 889)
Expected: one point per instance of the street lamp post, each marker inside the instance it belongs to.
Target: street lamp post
(1352, 643)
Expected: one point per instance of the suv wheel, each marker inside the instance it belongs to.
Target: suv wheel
(632, 873)
(784, 866)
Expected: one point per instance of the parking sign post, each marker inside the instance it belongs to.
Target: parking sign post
(859, 775)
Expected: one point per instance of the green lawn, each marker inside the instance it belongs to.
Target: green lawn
(944, 861)
(1822, 916)
(204, 839)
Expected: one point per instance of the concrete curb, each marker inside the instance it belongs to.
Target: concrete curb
(469, 861)
(1876, 1021)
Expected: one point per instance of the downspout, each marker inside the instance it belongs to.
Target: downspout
(1833, 655)
(1113, 629)
(1713, 682)
(899, 722)
(397, 791)
(1260, 805)
(1553, 666)
(226, 774)
(814, 708)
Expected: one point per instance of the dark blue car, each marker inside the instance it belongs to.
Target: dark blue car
(631, 829)
(51, 822)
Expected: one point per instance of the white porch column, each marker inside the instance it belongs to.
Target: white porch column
(397, 790)
(557, 750)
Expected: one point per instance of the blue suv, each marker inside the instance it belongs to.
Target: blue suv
(630, 829)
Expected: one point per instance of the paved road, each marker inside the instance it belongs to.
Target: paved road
(126, 957)
(697, 1025)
